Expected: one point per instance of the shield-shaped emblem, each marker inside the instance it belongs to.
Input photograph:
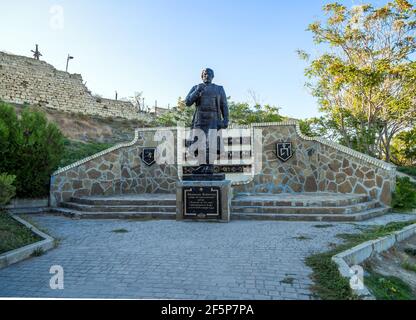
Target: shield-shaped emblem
(284, 151)
(148, 156)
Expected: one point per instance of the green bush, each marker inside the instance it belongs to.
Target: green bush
(32, 150)
(411, 171)
(405, 195)
(9, 132)
(7, 189)
(76, 150)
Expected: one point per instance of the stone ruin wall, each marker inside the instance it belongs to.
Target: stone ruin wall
(317, 165)
(26, 80)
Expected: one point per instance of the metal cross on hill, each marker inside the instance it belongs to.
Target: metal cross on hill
(36, 53)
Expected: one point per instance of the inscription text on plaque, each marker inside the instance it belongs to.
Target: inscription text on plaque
(202, 202)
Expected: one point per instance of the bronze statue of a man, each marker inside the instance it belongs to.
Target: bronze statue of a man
(211, 110)
(211, 104)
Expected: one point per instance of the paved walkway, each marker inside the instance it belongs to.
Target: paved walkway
(167, 259)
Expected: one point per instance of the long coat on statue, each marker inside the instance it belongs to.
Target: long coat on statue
(211, 107)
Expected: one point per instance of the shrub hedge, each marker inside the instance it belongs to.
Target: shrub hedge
(405, 195)
(7, 189)
(30, 148)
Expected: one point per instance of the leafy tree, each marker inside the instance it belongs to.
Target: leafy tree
(32, 151)
(366, 79)
(243, 114)
(179, 114)
(315, 127)
(239, 113)
(404, 148)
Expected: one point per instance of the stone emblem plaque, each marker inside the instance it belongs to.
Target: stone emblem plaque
(148, 156)
(202, 202)
(284, 151)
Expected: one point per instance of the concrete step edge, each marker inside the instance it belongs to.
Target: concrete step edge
(114, 215)
(298, 203)
(325, 210)
(365, 215)
(85, 207)
(121, 201)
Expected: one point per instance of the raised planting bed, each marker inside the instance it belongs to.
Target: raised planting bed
(20, 240)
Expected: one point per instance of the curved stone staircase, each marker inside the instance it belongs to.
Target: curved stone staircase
(306, 207)
(301, 206)
(147, 206)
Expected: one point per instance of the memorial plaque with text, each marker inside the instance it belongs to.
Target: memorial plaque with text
(202, 202)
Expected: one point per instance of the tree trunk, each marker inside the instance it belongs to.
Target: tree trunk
(387, 144)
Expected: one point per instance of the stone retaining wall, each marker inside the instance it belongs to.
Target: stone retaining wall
(26, 80)
(116, 171)
(317, 165)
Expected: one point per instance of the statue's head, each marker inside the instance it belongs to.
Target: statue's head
(207, 75)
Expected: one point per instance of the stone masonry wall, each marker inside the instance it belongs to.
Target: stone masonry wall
(26, 80)
(116, 171)
(316, 166)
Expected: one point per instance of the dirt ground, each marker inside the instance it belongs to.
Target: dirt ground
(390, 263)
(91, 128)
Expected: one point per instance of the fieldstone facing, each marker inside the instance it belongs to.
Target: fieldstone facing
(116, 171)
(317, 165)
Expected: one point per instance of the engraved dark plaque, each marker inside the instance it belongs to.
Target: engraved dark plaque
(221, 169)
(202, 203)
(284, 151)
(148, 156)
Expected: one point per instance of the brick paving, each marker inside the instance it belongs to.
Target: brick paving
(172, 260)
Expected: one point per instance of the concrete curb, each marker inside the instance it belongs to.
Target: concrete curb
(27, 206)
(17, 255)
(39, 210)
(357, 255)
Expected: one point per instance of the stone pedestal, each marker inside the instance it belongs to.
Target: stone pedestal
(203, 201)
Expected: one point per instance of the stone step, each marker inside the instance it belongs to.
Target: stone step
(303, 200)
(118, 208)
(368, 214)
(114, 215)
(306, 210)
(365, 215)
(168, 200)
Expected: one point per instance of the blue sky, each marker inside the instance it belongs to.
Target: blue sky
(160, 46)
